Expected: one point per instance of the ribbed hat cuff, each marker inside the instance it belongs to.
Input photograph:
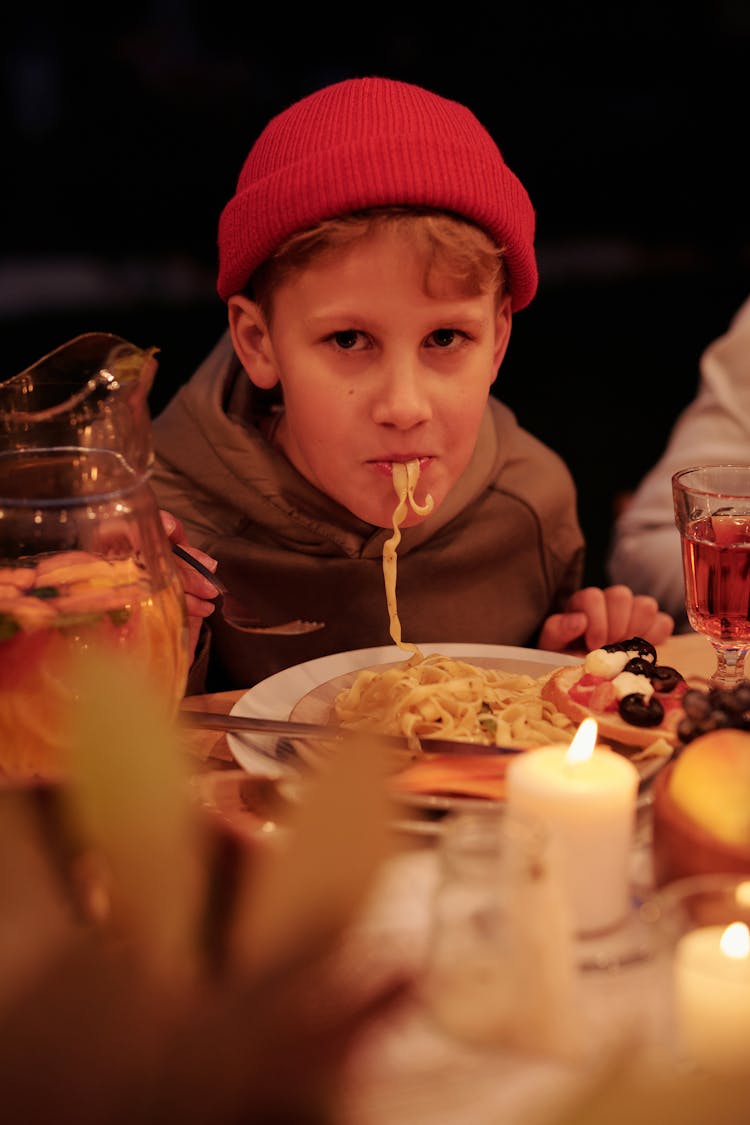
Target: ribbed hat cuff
(379, 172)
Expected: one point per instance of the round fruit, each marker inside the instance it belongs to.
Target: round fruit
(710, 783)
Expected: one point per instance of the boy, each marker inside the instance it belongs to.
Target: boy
(372, 259)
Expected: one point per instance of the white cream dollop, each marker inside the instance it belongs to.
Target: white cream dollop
(599, 662)
(627, 683)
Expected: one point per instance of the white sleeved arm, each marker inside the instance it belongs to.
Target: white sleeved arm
(713, 428)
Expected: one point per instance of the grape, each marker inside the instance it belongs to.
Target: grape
(722, 700)
(686, 730)
(696, 703)
(714, 709)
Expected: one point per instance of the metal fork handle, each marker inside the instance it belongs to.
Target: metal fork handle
(192, 561)
(244, 625)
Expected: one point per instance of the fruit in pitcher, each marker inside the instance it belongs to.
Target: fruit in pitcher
(54, 610)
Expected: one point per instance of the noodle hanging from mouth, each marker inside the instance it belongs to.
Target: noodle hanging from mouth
(405, 477)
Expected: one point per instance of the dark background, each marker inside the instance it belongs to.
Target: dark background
(123, 135)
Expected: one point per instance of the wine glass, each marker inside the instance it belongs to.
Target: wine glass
(712, 513)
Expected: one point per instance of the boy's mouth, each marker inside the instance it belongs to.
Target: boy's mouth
(385, 464)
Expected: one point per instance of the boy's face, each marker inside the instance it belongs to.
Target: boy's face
(374, 371)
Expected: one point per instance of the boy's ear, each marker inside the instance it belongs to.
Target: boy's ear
(503, 324)
(252, 342)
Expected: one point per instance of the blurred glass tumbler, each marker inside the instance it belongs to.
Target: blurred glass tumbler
(712, 513)
(500, 959)
(85, 564)
(702, 925)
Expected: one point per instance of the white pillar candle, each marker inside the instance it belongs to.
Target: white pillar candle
(586, 796)
(712, 997)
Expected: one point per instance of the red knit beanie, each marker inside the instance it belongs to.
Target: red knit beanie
(371, 142)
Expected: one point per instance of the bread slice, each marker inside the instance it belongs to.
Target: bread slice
(612, 728)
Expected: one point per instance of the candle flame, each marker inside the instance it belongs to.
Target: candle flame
(735, 941)
(584, 741)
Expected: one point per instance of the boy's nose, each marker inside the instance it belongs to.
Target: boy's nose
(401, 399)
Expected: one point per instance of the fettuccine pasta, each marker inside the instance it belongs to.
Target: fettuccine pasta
(439, 696)
(443, 697)
(405, 477)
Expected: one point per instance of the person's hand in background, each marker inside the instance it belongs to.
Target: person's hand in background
(595, 617)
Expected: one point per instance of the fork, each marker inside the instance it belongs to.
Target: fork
(233, 612)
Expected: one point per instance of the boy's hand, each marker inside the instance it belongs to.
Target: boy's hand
(199, 593)
(594, 617)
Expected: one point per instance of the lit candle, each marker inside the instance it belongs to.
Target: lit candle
(586, 796)
(712, 996)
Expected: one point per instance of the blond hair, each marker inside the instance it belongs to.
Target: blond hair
(458, 256)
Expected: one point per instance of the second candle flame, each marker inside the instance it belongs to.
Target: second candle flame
(584, 741)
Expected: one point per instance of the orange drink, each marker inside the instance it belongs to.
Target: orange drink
(57, 607)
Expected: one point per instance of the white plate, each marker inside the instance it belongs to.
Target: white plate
(276, 696)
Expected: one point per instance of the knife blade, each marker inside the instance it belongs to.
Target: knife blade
(208, 720)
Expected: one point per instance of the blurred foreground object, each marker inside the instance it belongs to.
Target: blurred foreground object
(702, 808)
(626, 1091)
(152, 969)
(84, 559)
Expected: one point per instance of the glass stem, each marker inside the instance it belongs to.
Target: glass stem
(730, 666)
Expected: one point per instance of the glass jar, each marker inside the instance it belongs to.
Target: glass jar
(500, 966)
(85, 565)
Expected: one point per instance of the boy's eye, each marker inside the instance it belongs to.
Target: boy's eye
(348, 340)
(443, 337)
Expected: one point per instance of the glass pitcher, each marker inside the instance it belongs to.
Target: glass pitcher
(85, 564)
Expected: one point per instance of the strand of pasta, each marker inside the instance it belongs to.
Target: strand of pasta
(405, 476)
